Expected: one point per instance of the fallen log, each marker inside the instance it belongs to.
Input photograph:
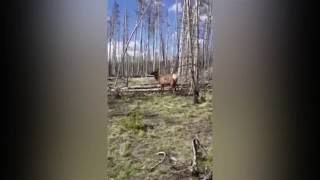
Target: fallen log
(149, 86)
(144, 90)
(152, 88)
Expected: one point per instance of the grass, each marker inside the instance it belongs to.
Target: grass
(133, 121)
(141, 126)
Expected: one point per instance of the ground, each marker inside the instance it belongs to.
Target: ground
(146, 124)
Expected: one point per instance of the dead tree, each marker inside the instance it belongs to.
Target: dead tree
(126, 39)
(134, 52)
(193, 58)
(127, 43)
(114, 32)
(140, 59)
(148, 44)
(178, 39)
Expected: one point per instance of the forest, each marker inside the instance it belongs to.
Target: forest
(159, 72)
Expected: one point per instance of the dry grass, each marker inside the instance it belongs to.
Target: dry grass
(144, 125)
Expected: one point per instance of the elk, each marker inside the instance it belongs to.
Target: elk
(165, 80)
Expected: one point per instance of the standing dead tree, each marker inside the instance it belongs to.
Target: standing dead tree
(189, 54)
(178, 38)
(114, 29)
(140, 59)
(127, 43)
(125, 37)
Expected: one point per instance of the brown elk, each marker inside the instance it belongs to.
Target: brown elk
(165, 80)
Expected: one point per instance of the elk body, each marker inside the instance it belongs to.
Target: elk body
(166, 80)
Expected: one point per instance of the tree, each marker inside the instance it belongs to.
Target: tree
(115, 23)
(125, 37)
(178, 38)
(108, 45)
(134, 51)
(141, 9)
(193, 58)
(148, 42)
(182, 57)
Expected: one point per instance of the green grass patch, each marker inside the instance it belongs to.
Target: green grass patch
(134, 121)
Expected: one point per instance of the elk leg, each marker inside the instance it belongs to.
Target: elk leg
(174, 87)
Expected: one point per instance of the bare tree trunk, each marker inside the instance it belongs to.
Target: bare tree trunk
(166, 53)
(148, 46)
(114, 55)
(178, 39)
(162, 50)
(140, 54)
(123, 44)
(156, 42)
(107, 54)
(159, 33)
(110, 58)
(174, 61)
(153, 54)
(134, 51)
(146, 59)
(115, 46)
(204, 44)
(193, 59)
(182, 38)
(198, 46)
(126, 39)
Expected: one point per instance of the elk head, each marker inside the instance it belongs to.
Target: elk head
(155, 74)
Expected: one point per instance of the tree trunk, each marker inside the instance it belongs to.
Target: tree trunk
(178, 39)
(141, 48)
(182, 38)
(126, 39)
(193, 59)
(134, 52)
(148, 46)
(153, 46)
(159, 33)
(123, 44)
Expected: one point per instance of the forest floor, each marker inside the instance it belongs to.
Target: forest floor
(143, 125)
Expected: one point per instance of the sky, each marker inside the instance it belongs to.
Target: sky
(131, 5)
(169, 7)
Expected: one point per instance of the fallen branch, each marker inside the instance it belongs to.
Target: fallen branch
(143, 90)
(161, 161)
(149, 86)
(194, 165)
(193, 168)
(179, 171)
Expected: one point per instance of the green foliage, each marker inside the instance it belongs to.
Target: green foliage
(134, 121)
(127, 171)
(123, 170)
